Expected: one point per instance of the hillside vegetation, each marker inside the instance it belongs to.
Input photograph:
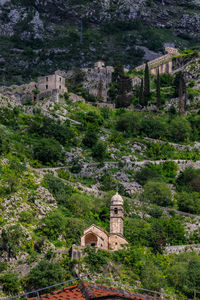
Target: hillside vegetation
(57, 178)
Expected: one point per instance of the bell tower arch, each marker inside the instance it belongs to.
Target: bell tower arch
(116, 215)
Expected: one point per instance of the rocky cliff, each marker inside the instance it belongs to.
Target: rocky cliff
(48, 35)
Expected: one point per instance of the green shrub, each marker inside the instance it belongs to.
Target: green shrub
(60, 190)
(153, 127)
(189, 202)
(45, 274)
(96, 260)
(11, 240)
(129, 123)
(74, 230)
(11, 283)
(180, 129)
(157, 192)
(26, 217)
(159, 151)
(63, 174)
(166, 80)
(146, 173)
(47, 151)
(52, 225)
(80, 205)
(165, 231)
(188, 180)
(91, 137)
(99, 151)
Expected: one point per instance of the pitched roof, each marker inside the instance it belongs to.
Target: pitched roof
(88, 291)
(93, 225)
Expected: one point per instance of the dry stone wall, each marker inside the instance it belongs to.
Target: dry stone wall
(182, 248)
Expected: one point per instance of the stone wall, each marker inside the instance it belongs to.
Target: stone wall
(51, 82)
(96, 235)
(182, 248)
(97, 81)
(116, 242)
(163, 63)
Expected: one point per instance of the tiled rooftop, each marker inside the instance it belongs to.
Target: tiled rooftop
(88, 291)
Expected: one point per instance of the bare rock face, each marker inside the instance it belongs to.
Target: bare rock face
(46, 34)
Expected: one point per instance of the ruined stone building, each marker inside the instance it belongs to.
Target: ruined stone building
(96, 237)
(46, 86)
(98, 79)
(164, 63)
(51, 82)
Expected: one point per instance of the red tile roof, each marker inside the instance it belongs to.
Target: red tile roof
(88, 291)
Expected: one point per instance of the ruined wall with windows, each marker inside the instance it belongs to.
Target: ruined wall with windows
(164, 63)
(51, 82)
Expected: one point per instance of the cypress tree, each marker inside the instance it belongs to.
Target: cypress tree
(146, 84)
(180, 96)
(141, 95)
(158, 98)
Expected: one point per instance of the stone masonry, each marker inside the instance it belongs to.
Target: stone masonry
(96, 237)
(164, 63)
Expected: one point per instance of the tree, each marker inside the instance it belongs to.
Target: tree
(11, 239)
(180, 96)
(122, 85)
(179, 129)
(158, 98)
(53, 225)
(146, 85)
(166, 230)
(45, 274)
(99, 151)
(80, 205)
(124, 88)
(11, 283)
(91, 137)
(189, 202)
(118, 71)
(141, 93)
(147, 173)
(74, 230)
(176, 83)
(47, 150)
(130, 123)
(189, 180)
(157, 192)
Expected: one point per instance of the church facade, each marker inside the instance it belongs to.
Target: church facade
(95, 236)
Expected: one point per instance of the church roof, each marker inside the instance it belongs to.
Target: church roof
(93, 225)
(92, 291)
(120, 235)
(117, 199)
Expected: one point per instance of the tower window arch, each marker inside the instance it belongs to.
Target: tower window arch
(116, 210)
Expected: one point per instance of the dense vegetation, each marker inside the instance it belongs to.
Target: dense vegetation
(43, 209)
(41, 141)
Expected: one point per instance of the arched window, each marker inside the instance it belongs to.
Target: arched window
(116, 210)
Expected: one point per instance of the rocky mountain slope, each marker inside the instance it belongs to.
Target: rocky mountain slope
(42, 36)
(60, 163)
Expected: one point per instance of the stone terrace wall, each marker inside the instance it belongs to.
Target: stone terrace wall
(182, 248)
(157, 61)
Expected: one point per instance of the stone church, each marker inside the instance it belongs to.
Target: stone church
(96, 237)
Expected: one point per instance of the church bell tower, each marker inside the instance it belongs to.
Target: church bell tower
(116, 215)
